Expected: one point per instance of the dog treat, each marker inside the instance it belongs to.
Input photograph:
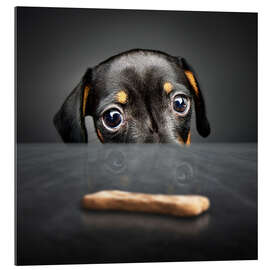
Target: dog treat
(176, 205)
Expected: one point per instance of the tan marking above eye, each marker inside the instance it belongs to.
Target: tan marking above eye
(192, 81)
(122, 97)
(168, 87)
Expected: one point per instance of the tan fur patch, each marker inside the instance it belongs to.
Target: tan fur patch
(121, 97)
(167, 87)
(188, 139)
(85, 96)
(192, 81)
(180, 140)
(100, 136)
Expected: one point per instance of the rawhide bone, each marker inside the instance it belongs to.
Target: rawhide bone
(176, 205)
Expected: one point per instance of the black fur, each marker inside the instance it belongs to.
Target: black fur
(202, 123)
(148, 112)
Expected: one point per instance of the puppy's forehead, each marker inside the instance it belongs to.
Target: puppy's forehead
(142, 66)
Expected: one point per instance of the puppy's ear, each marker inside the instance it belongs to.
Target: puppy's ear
(202, 123)
(69, 120)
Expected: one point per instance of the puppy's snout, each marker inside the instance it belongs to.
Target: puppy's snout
(154, 133)
(153, 138)
(156, 137)
(152, 126)
(153, 129)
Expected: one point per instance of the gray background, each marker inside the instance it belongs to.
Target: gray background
(56, 45)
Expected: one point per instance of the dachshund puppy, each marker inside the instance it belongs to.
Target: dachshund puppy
(139, 96)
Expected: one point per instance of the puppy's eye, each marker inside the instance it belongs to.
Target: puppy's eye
(112, 119)
(181, 104)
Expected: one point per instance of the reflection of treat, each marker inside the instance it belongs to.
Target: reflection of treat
(177, 205)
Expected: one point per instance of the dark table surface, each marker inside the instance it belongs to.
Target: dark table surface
(51, 227)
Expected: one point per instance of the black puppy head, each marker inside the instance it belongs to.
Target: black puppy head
(137, 96)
